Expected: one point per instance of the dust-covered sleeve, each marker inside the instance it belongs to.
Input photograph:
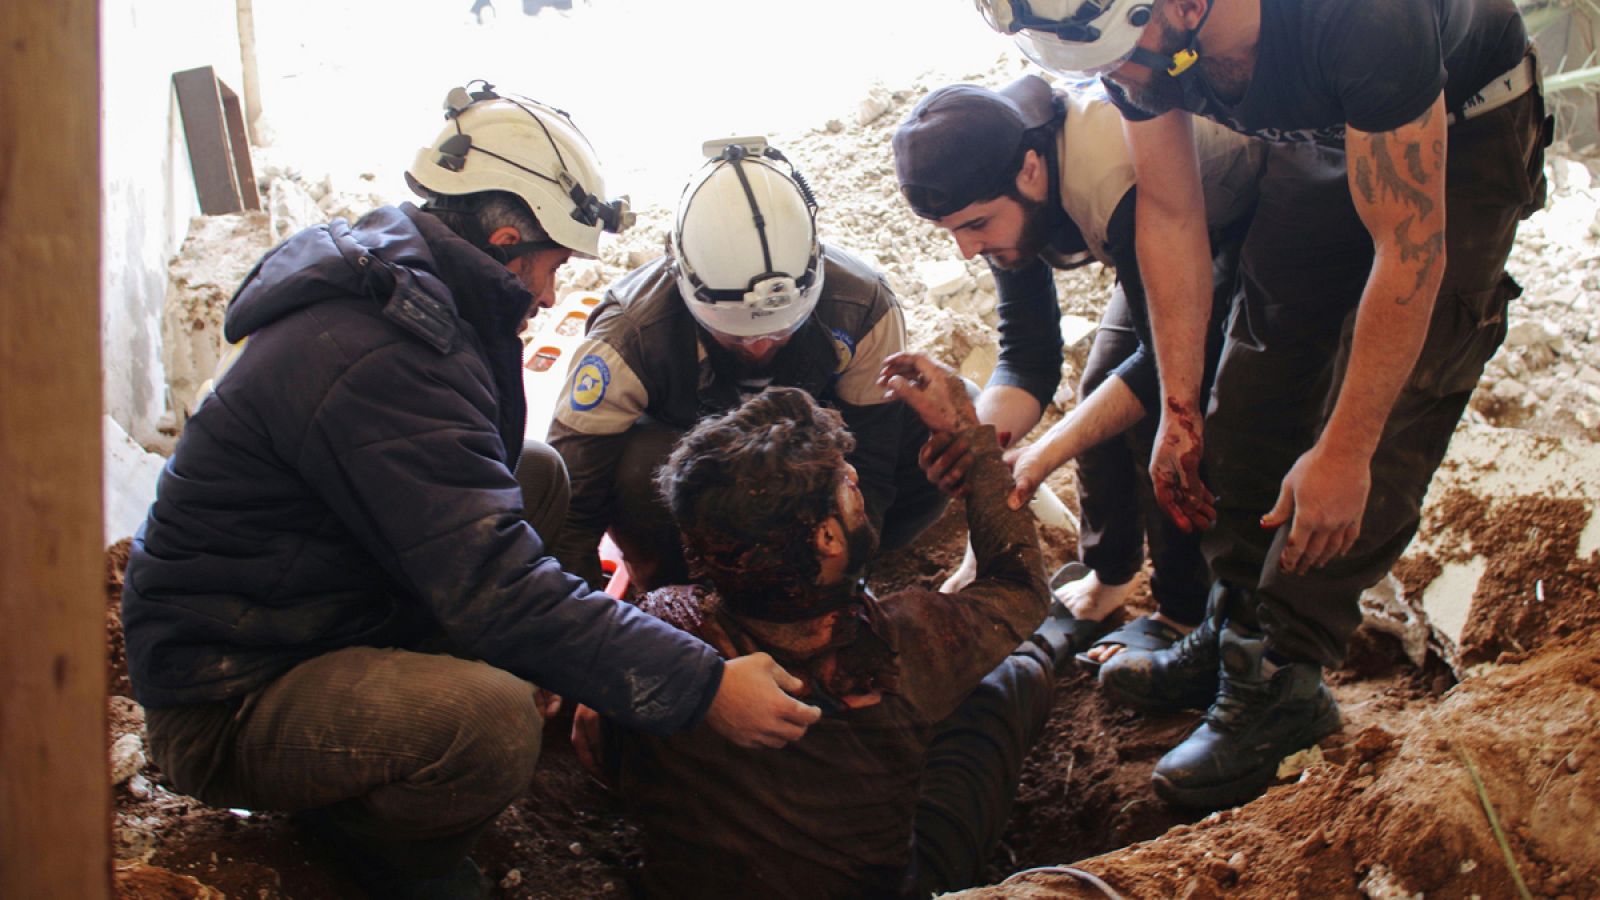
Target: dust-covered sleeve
(602, 398)
(406, 451)
(949, 642)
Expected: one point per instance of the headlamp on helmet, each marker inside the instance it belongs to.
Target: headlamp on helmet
(504, 142)
(744, 243)
(1080, 38)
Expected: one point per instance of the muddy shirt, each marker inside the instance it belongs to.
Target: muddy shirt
(645, 356)
(1372, 64)
(831, 814)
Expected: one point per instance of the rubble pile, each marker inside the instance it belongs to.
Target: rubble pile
(1498, 592)
(1546, 378)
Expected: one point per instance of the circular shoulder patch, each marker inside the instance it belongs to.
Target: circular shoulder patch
(589, 383)
(845, 347)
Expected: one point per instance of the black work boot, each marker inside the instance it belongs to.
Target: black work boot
(1183, 676)
(1259, 717)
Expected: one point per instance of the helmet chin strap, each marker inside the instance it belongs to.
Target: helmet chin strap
(1180, 62)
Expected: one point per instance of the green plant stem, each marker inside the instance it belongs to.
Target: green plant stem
(1494, 825)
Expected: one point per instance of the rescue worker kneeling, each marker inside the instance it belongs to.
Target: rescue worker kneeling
(747, 296)
(932, 699)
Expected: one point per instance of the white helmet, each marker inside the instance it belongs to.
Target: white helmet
(1073, 37)
(523, 147)
(744, 244)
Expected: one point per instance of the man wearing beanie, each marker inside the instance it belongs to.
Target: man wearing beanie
(1037, 180)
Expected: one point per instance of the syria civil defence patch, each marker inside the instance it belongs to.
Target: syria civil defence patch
(844, 347)
(589, 383)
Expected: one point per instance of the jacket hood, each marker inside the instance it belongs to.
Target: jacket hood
(399, 256)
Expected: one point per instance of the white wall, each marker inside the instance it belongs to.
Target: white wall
(147, 189)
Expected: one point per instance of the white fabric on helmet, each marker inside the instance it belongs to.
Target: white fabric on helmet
(512, 129)
(1118, 27)
(717, 247)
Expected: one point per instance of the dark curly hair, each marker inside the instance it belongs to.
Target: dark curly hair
(748, 489)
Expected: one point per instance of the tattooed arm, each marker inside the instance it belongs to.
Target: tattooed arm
(1175, 264)
(1397, 182)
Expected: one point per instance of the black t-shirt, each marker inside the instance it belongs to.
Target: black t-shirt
(1372, 64)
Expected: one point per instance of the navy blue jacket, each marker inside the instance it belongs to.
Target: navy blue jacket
(349, 483)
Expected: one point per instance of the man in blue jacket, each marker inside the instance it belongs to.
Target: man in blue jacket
(342, 594)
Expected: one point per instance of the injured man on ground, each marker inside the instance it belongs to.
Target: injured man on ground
(932, 699)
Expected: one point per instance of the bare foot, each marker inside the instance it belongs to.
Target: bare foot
(1104, 652)
(1089, 598)
(962, 576)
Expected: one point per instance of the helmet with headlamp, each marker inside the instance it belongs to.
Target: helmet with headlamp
(744, 244)
(1081, 37)
(495, 142)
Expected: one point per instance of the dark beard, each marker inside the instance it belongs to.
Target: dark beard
(1163, 93)
(861, 543)
(1035, 234)
(732, 367)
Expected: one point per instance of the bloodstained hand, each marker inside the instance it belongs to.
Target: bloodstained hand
(938, 396)
(933, 390)
(1175, 468)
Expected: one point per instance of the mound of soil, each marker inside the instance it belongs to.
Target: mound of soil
(1085, 788)
(1393, 811)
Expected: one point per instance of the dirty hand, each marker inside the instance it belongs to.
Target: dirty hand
(934, 391)
(945, 458)
(1029, 468)
(752, 709)
(1325, 493)
(586, 739)
(1175, 469)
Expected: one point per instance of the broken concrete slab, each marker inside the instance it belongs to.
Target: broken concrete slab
(129, 481)
(1487, 474)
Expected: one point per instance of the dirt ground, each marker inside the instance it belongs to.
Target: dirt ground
(1389, 808)
(1389, 803)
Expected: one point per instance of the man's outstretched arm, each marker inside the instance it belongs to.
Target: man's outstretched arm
(954, 640)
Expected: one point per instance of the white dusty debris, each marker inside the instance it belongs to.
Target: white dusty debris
(1537, 381)
(1546, 379)
(125, 720)
(130, 481)
(127, 757)
(1487, 474)
(218, 253)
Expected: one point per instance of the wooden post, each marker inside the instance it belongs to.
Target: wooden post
(247, 65)
(55, 792)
